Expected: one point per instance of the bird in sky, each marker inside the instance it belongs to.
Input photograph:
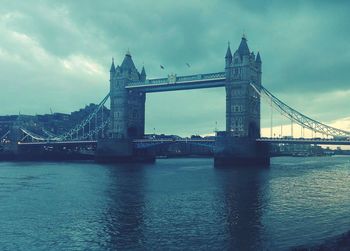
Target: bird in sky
(188, 65)
(162, 67)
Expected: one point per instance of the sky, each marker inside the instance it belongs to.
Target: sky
(57, 54)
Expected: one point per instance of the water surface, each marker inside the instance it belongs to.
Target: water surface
(173, 204)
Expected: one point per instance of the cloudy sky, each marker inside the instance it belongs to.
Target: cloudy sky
(57, 54)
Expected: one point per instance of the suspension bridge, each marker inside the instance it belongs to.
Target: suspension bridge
(122, 133)
(83, 132)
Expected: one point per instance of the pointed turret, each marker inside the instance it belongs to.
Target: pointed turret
(252, 55)
(112, 66)
(127, 64)
(143, 74)
(243, 47)
(112, 70)
(117, 69)
(258, 59)
(228, 57)
(228, 52)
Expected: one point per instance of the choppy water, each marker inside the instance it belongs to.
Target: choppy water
(183, 204)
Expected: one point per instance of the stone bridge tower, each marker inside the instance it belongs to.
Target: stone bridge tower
(242, 102)
(238, 145)
(127, 107)
(127, 114)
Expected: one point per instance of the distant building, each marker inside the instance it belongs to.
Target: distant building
(299, 150)
(53, 124)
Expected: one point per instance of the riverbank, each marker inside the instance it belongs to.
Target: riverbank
(339, 243)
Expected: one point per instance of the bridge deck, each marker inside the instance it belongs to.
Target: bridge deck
(75, 142)
(157, 141)
(305, 141)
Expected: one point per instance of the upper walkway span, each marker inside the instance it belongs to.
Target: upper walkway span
(175, 83)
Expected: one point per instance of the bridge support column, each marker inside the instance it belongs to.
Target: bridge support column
(111, 150)
(234, 151)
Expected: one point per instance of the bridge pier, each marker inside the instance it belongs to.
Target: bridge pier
(234, 151)
(111, 150)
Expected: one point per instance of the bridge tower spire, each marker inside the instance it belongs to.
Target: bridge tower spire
(228, 57)
(143, 74)
(112, 70)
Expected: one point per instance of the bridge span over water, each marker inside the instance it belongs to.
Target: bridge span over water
(115, 137)
(149, 142)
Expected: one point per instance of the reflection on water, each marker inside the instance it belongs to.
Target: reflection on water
(242, 204)
(176, 203)
(124, 216)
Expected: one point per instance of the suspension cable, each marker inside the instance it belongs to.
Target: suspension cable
(300, 118)
(80, 126)
(2, 137)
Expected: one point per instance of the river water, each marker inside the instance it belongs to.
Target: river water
(174, 204)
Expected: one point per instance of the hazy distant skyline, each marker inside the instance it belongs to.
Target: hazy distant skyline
(57, 54)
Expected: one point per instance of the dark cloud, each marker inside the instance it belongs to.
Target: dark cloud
(52, 51)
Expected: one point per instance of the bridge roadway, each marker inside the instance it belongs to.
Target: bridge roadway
(60, 143)
(315, 141)
(174, 83)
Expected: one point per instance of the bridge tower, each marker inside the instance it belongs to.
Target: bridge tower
(242, 102)
(127, 113)
(127, 107)
(237, 145)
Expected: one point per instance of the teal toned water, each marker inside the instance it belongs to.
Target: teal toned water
(175, 203)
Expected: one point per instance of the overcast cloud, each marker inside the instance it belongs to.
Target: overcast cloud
(57, 54)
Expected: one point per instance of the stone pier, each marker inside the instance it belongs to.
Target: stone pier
(231, 151)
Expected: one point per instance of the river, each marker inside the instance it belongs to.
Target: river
(181, 204)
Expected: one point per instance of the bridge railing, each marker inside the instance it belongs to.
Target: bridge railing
(172, 140)
(303, 139)
(308, 141)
